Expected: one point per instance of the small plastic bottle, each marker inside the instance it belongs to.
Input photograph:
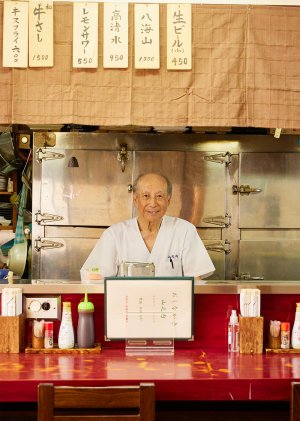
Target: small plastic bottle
(296, 329)
(233, 333)
(10, 277)
(48, 335)
(66, 331)
(10, 186)
(85, 328)
(285, 335)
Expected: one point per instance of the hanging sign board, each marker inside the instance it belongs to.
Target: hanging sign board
(85, 35)
(179, 36)
(148, 308)
(146, 36)
(115, 35)
(40, 34)
(15, 34)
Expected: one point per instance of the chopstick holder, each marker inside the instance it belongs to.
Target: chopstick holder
(274, 334)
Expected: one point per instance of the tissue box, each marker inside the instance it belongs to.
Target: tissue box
(251, 335)
(12, 334)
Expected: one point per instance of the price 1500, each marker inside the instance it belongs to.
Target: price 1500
(40, 57)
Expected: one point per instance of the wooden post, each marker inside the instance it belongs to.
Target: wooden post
(12, 334)
(251, 335)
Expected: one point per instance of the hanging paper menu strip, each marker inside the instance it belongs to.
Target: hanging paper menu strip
(85, 35)
(179, 36)
(41, 34)
(146, 30)
(115, 35)
(15, 34)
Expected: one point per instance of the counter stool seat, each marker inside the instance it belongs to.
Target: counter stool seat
(295, 401)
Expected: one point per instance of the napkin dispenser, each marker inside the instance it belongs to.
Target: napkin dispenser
(137, 269)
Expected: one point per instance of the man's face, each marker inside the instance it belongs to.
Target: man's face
(151, 198)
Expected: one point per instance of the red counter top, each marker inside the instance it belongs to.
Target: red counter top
(200, 370)
(188, 375)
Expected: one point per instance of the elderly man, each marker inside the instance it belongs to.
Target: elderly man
(172, 244)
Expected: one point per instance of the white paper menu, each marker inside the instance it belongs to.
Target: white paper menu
(149, 308)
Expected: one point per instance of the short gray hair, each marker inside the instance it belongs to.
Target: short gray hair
(168, 182)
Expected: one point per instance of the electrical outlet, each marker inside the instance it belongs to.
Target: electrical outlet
(43, 307)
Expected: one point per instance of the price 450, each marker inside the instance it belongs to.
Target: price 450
(180, 61)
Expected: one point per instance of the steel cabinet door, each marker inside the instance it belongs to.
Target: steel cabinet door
(270, 259)
(198, 185)
(94, 193)
(278, 204)
(217, 255)
(63, 251)
(68, 259)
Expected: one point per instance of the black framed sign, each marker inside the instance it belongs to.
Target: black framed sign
(149, 308)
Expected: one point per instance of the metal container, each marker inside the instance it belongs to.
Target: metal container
(137, 269)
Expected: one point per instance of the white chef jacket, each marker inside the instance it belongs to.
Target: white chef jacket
(178, 250)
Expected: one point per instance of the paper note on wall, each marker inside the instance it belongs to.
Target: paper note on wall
(41, 34)
(115, 35)
(146, 36)
(179, 36)
(85, 35)
(15, 34)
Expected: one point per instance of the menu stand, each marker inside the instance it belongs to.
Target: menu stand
(149, 313)
(135, 344)
(149, 346)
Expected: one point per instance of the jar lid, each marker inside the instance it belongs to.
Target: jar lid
(86, 304)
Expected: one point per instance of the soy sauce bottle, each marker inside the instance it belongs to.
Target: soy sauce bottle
(85, 328)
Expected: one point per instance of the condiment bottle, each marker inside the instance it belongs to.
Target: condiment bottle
(10, 186)
(233, 332)
(66, 331)
(296, 329)
(285, 335)
(48, 335)
(10, 277)
(85, 328)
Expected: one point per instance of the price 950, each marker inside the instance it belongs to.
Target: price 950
(116, 57)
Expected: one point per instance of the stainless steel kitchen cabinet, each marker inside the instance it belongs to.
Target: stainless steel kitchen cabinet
(85, 181)
(240, 192)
